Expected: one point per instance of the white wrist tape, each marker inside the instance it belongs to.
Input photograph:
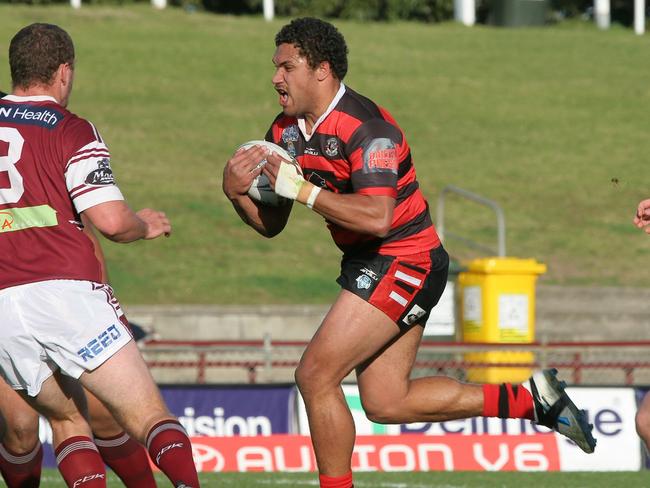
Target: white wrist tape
(289, 180)
(312, 196)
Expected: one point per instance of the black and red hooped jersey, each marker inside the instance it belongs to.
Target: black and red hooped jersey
(53, 166)
(357, 147)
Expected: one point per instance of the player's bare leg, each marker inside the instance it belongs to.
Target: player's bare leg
(352, 332)
(125, 385)
(356, 333)
(124, 455)
(21, 453)
(388, 394)
(61, 400)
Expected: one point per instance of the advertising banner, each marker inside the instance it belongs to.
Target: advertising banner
(218, 411)
(611, 410)
(293, 453)
(226, 411)
(248, 428)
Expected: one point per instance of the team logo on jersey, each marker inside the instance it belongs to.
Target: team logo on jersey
(332, 147)
(380, 156)
(415, 314)
(363, 282)
(103, 175)
(290, 136)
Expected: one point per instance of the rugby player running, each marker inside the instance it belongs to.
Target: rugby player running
(356, 171)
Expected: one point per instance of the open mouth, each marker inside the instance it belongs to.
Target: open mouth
(284, 96)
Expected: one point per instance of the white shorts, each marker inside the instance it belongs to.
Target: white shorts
(57, 324)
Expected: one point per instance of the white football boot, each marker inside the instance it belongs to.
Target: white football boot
(554, 409)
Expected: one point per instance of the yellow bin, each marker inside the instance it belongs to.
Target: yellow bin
(498, 306)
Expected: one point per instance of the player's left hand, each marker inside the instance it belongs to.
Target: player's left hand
(642, 217)
(285, 176)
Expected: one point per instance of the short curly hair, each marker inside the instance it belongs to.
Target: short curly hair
(36, 52)
(318, 41)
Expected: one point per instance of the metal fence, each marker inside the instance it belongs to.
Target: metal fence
(268, 361)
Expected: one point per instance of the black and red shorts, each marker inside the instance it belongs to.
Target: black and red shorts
(405, 288)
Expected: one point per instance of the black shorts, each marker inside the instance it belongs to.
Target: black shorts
(405, 288)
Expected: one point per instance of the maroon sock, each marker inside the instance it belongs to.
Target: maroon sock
(128, 459)
(21, 470)
(344, 481)
(508, 401)
(171, 450)
(80, 463)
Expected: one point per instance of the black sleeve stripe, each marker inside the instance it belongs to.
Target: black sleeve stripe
(383, 179)
(405, 166)
(373, 129)
(406, 191)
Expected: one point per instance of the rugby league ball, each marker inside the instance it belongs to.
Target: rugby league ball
(261, 190)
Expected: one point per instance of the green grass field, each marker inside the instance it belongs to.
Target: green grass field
(407, 480)
(551, 123)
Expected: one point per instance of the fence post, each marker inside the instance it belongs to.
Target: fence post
(639, 17)
(269, 10)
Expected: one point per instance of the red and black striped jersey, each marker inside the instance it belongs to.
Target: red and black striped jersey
(53, 166)
(357, 147)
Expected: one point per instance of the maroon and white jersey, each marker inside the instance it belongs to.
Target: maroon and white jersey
(357, 147)
(53, 166)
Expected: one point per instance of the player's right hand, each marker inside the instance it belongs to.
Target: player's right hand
(157, 223)
(241, 169)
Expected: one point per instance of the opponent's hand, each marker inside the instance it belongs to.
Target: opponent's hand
(642, 217)
(156, 223)
(241, 169)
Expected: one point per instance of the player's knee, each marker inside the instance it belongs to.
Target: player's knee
(380, 411)
(313, 378)
(103, 424)
(302, 376)
(22, 435)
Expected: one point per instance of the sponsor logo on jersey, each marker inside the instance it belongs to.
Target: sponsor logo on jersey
(413, 315)
(13, 219)
(311, 151)
(103, 175)
(332, 147)
(96, 346)
(30, 115)
(363, 282)
(6, 220)
(379, 156)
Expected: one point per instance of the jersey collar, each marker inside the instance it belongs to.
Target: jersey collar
(35, 98)
(301, 120)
